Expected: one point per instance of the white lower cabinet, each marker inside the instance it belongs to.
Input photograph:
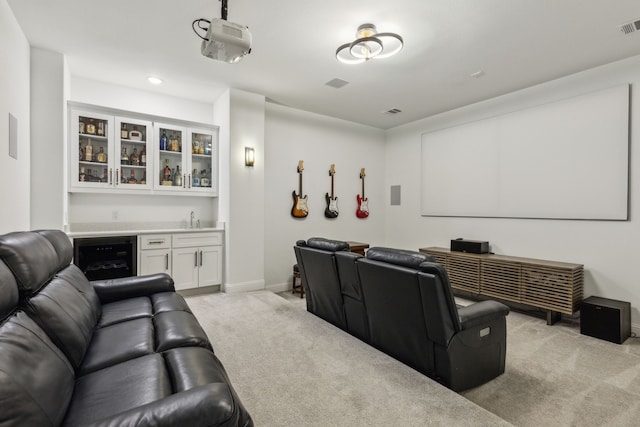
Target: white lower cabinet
(193, 259)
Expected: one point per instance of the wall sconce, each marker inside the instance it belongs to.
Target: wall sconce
(249, 156)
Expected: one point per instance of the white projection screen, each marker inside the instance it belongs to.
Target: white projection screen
(566, 160)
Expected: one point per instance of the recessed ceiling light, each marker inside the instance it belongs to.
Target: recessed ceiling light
(154, 80)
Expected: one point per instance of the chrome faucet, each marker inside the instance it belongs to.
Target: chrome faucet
(192, 216)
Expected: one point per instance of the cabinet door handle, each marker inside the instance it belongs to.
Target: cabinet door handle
(110, 176)
(200, 258)
(166, 261)
(117, 177)
(184, 180)
(189, 180)
(196, 258)
(156, 242)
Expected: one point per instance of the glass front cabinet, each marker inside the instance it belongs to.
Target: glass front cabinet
(108, 152)
(186, 159)
(120, 154)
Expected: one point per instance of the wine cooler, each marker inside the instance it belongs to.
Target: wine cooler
(102, 258)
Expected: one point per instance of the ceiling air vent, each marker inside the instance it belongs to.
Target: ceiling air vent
(393, 111)
(630, 27)
(337, 83)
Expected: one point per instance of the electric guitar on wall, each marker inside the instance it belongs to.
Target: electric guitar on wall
(332, 202)
(299, 209)
(363, 202)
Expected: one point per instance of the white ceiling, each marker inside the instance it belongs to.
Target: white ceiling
(517, 43)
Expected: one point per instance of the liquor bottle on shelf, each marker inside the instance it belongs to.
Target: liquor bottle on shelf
(135, 134)
(195, 179)
(204, 178)
(143, 157)
(83, 175)
(101, 128)
(88, 151)
(81, 125)
(166, 175)
(164, 141)
(175, 143)
(81, 158)
(101, 156)
(124, 132)
(132, 178)
(143, 181)
(104, 175)
(91, 127)
(124, 158)
(177, 177)
(134, 160)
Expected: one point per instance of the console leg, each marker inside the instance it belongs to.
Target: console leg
(553, 317)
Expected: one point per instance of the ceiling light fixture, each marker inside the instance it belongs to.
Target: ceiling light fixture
(154, 80)
(369, 44)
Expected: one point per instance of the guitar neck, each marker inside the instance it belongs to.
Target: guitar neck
(363, 187)
(332, 186)
(300, 182)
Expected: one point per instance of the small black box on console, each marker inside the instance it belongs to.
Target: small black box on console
(607, 319)
(471, 246)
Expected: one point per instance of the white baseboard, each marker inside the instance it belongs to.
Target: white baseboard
(254, 285)
(279, 287)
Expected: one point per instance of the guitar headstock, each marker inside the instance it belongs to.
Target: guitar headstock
(362, 174)
(332, 170)
(300, 166)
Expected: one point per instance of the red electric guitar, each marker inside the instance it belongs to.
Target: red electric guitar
(299, 209)
(331, 210)
(363, 202)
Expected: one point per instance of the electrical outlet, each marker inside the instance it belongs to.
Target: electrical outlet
(114, 215)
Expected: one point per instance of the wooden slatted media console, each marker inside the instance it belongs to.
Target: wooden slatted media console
(549, 285)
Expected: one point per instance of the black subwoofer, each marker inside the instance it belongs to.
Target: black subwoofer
(606, 319)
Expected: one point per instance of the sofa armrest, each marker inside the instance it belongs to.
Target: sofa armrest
(131, 287)
(207, 405)
(481, 313)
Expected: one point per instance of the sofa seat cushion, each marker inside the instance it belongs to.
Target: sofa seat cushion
(36, 380)
(169, 301)
(118, 388)
(179, 329)
(191, 367)
(118, 343)
(122, 311)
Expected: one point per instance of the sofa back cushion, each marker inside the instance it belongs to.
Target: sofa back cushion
(394, 309)
(403, 257)
(31, 258)
(54, 293)
(440, 309)
(36, 379)
(320, 278)
(327, 244)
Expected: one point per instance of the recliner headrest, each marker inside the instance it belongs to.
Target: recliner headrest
(31, 258)
(402, 257)
(327, 244)
(61, 243)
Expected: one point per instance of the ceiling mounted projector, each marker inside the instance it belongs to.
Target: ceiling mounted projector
(224, 41)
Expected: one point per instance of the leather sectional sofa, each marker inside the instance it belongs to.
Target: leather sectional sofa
(401, 302)
(119, 352)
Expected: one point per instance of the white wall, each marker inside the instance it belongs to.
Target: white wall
(608, 249)
(48, 117)
(245, 229)
(14, 87)
(292, 135)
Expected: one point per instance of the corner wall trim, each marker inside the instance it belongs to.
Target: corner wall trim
(254, 285)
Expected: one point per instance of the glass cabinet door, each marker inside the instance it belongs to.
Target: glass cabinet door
(133, 167)
(92, 144)
(169, 160)
(203, 172)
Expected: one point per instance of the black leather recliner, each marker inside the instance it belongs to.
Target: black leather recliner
(319, 273)
(401, 302)
(109, 353)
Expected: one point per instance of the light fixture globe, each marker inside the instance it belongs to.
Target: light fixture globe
(369, 44)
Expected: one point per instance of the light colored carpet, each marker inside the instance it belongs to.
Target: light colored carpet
(292, 368)
(556, 377)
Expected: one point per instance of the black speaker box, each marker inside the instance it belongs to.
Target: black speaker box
(471, 246)
(607, 319)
